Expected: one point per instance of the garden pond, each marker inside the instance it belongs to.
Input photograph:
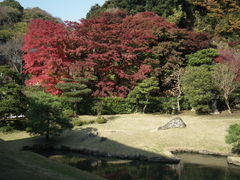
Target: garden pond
(191, 167)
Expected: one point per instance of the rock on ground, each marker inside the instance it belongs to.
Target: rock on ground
(174, 123)
(233, 160)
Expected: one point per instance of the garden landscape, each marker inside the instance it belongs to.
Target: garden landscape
(144, 89)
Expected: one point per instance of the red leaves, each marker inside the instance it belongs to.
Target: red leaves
(114, 48)
(230, 57)
(45, 53)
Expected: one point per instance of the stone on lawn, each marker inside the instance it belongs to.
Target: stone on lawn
(174, 123)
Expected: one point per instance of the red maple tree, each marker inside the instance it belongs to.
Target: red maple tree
(45, 56)
(115, 48)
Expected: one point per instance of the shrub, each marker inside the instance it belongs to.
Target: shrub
(101, 120)
(6, 129)
(68, 113)
(81, 122)
(113, 105)
(233, 136)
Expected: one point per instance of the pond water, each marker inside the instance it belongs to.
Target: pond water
(192, 167)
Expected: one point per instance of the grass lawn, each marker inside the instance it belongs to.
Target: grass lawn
(137, 134)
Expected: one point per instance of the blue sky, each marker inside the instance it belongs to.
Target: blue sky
(71, 10)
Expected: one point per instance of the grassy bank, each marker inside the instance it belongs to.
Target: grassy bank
(137, 134)
(16, 165)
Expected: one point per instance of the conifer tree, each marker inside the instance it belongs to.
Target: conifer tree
(73, 91)
(141, 94)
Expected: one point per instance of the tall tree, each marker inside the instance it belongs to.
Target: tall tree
(46, 57)
(117, 49)
(225, 79)
(197, 87)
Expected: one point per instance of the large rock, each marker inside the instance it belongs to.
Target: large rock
(233, 160)
(174, 123)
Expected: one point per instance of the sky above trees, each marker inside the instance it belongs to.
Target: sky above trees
(71, 10)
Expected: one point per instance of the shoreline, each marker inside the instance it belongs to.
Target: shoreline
(158, 159)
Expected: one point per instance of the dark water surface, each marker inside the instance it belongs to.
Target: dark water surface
(192, 167)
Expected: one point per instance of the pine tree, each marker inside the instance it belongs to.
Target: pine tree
(73, 91)
(141, 94)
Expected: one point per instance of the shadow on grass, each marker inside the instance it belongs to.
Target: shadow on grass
(88, 141)
(109, 117)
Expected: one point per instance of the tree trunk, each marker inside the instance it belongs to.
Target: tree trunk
(179, 93)
(227, 103)
(47, 136)
(48, 129)
(178, 103)
(76, 109)
(145, 106)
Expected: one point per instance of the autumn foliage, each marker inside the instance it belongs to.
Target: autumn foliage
(116, 49)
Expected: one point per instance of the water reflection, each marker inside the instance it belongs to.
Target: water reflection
(192, 167)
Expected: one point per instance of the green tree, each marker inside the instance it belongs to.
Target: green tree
(197, 81)
(45, 115)
(13, 4)
(141, 94)
(9, 15)
(12, 100)
(37, 13)
(74, 91)
(180, 11)
(197, 86)
(202, 57)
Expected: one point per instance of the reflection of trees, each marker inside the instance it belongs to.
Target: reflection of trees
(135, 170)
(138, 170)
(200, 172)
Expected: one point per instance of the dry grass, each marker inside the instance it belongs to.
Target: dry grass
(137, 133)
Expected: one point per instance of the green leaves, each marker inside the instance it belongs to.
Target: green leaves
(202, 57)
(142, 92)
(73, 91)
(197, 85)
(233, 136)
(45, 115)
(12, 100)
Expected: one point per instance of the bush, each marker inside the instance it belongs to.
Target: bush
(68, 113)
(233, 136)
(6, 129)
(81, 122)
(101, 120)
(163, 105)
(87, 106)
(113, 105)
